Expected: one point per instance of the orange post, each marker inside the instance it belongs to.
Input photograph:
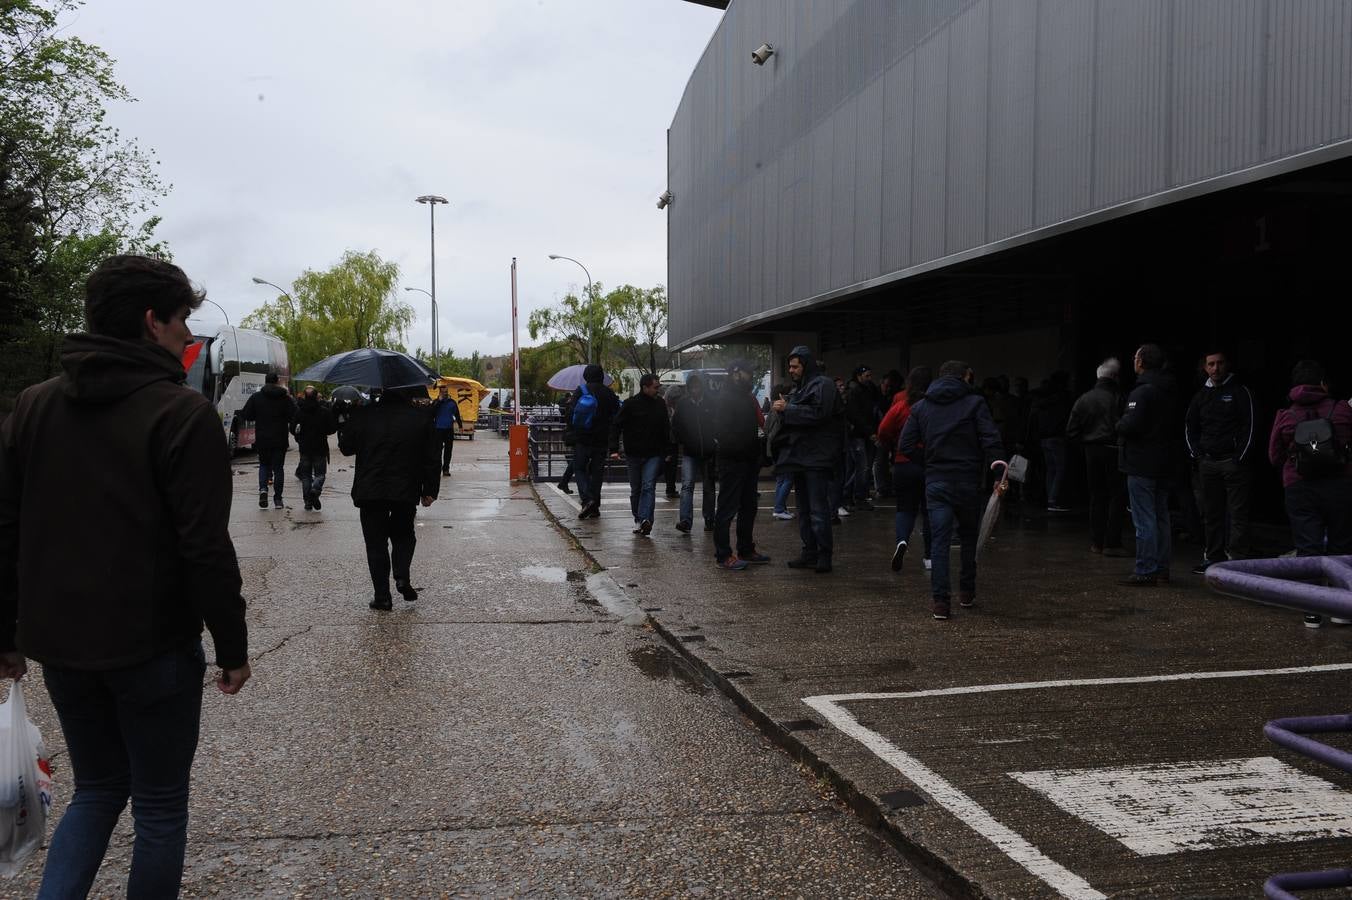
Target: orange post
(517, 440)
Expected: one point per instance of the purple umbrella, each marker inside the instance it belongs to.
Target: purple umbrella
(569, 378)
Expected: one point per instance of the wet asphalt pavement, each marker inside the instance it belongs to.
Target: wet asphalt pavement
(506, 735)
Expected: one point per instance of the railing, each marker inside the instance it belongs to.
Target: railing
(1312, 584)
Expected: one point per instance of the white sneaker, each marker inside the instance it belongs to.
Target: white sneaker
(784, 516)
(1337, 621)
(842, 512)
(928, 565)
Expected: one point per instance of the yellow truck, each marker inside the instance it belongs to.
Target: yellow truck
(466, 392)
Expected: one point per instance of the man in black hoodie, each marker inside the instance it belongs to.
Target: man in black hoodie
(739, 461)
(272, 411)
(313, 424)
(119, 634)
(953, 429)
(693, 426)
(593, 408)
(1146, 435)
(642, 422)
(811, 448)
(1219, 432)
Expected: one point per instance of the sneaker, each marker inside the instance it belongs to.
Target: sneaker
(929, 564)
(1200, 568)
(277, 503)
(1313, 621)
(803, 561)
(785, 516)
(638, 529)
(754, 557)
(1058, 508)
(314, 501)
(898, 555)
(732, 564)
(382, 603)
(565, 488)
(262, 499)
(406, 590)
(645, 527)
(1337, 621)
(308, 505)
(842, 512)
(1138, 581)
(966, 601)
(683, 527)
(823, 564)
(940, 610)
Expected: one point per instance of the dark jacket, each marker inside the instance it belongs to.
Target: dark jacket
(1220, 421)
(643, 424)
(954, 425)
(1146, 429)
(115, 491)
(1093, 418)
(693, 425)
(271, 410)
(1050, 410)
(738, 425)
(607, 406)
(861, 404)
(313, 424)
(1308, 401)
(814, 422)
(398, 452)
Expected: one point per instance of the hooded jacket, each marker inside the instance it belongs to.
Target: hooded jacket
(272, 411)
(861, 404)
(1308, 401)
(693, 424)
(954, 425)
(643, 423)
(115, 490)
(607, 405)
(313, 424)
(398, 452)
(814, 421)
(889, 431)
(1220, 421)
(1146, 429)
(738, 425)
(1093, 418)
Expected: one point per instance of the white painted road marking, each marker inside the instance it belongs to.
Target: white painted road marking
(1173, 807)
(1017, 848)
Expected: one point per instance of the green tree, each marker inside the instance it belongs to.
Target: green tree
(578, 322)
(352, 305)
(640, 318)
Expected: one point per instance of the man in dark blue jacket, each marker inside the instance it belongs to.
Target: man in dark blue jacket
(953, 429)
(446, 418)
(1146, 432)
(810, 450)
(739, 461)
(692, 423)
(1219, 432)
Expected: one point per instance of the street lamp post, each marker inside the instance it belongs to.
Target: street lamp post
(432, 200)
(289, 299)
(591, 320)
(436, 354)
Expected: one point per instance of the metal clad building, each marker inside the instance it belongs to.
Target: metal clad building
(889, 138)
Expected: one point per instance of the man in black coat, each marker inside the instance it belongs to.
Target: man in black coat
(398, 463)
(693, 425)
(593, 408)
(737, 430)
(1145, 433)
(810, 450)
(1093, 422)
(272, 411)
(1219, 432)
(313, 424)
(643, 425)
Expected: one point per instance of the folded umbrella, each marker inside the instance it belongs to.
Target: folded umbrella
(370, 367)
(992, 515)
(569, 378)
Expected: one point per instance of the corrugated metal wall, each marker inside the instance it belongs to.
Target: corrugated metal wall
(885, 134)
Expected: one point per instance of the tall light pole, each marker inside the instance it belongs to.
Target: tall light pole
(591, 321)
(432, 200)
(289, 299)
(436, 355)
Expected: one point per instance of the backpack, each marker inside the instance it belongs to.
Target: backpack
(1316, 449)
(584, 411)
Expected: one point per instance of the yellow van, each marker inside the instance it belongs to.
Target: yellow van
(466, 392)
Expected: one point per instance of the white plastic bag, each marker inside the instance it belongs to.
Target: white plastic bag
(25, 784)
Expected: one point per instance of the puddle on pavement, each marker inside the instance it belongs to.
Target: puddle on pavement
(551, 574)
(659, 662)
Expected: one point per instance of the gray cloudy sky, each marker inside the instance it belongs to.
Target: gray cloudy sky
(295, 130)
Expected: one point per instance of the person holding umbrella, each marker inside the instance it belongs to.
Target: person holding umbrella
(593, 407)
(952, 430)
(398, 463)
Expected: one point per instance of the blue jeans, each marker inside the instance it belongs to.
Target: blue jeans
(310, 472)
(783, 485)
(693, 467)
(857, 472)
(271, 464)
(131, 732)
(1054, 457)
(908, 483)
(1150, 514)
(643, 472)
(589, 467)
(813, 486)
(953, 505)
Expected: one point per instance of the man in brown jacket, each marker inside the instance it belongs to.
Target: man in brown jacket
(114, 550)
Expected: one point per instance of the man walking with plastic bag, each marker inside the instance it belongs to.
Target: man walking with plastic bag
(119, 634)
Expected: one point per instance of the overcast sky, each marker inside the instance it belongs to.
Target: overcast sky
(293, 131)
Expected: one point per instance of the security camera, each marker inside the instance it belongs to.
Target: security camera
(761, 54)
(663, 200)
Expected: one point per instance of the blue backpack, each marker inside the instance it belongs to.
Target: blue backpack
(584, 411)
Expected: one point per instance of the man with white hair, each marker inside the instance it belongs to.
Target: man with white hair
(1093, 422)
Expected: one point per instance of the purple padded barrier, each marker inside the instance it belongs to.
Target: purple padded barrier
(1289, 733)
(1279, 887)
(1284, 582)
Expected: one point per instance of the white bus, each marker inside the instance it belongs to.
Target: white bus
(228, 367)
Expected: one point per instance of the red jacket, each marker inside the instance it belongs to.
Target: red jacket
(1307, 402)
(889, 432)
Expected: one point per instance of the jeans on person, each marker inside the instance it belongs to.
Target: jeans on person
(1225, 495)
(388, 526)
(447, 438)
(908, 483)
(737, 499)
(1150, 514)
(857, 472)
(814, 513)
(783, 486)
(1107, 496)
(882, 471)
(643, 472)
(589, 466)
(952, 505)
(1054, 458)
(567, 475)
(272, 465)
(693, 467)
(310, 472)
(835, 487)
(1321, 516)
(130, 732)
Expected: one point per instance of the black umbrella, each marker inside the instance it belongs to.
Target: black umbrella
(370, 367)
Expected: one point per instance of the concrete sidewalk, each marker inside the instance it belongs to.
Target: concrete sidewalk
(1068, 737)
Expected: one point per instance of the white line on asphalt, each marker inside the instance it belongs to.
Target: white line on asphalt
(1017, 848)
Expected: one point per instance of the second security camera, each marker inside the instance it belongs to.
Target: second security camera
(761, 54)
(664, 199)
